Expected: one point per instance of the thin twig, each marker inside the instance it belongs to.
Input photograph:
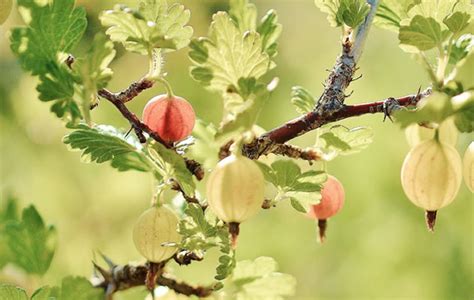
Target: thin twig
(265, 144)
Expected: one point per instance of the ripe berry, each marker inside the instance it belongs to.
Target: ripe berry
(468, 167)
(431, 176)
(332, 201)
(171, 117)
(235, 190)
(154, 229)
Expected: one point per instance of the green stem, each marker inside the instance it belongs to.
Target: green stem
(167, 85)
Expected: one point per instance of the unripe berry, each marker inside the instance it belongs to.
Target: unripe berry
(431, 176)
(235, 190)
(172, 118)
(468, 167)
(448, 133)
(5, 8)
(332, 201)
(154, 229)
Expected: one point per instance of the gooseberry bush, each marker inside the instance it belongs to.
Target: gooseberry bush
(178, 149)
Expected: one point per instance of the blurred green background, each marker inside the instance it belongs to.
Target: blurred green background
(377, 247)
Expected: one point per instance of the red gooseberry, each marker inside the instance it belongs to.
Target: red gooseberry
(171, 117)
(332, 200)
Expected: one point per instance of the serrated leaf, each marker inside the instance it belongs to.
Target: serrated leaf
(153, 25)
(198, 233)
(270, 30)
(258, 279)
(297, 205)
(176, 169)
(463, 74)
(390, 13)
(344, 12)
(286, 172)
(302, 99)
(11, 292)
(246, 116)
(457, 21)
(31, 242)
(439, 9)
(8, 213)
(79, 288)
(422, 33)
(244, 14)
(46, 293)
(461, 48)
(230, 56)
(205, 148)
(52, 29)
(331, 8)
(353, 12)
(339, 140)
(93, 70)
(105, 143)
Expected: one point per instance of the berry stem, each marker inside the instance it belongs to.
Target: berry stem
(431, 219)
(234, 230)
(167, 85)
(322, 226)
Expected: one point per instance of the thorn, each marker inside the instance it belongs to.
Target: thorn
(105, 274)
(128, 132)
(357, 78)
(350, 94)
(324, 85)
(328, 70)
(107, 260)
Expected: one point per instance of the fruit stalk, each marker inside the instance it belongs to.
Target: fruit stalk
(234, 230)
(431, 219)
(322, 226)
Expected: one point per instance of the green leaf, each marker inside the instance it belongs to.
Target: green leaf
(258, 279)
(302, 99)
(244, 14)
(79, 288)
(46, 293)
(457, 22)
(246, 116)
(227, 262)
(93, 71)
(199, 234)
(464, 117)
(422, 33)
(339, 140)
(105, 143)
(390, 13)
(205, 149)
(8, 213)
(344, 12)
(175, 167)
(303, 189)
(435, 108)
(227, 56)
(52, 30)
(10, 292)
(32, 243)
(463, 72)
(153, 25)
(439, 9)
(460, 48)
(331, 8)
(270, 30)
(353, 12)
